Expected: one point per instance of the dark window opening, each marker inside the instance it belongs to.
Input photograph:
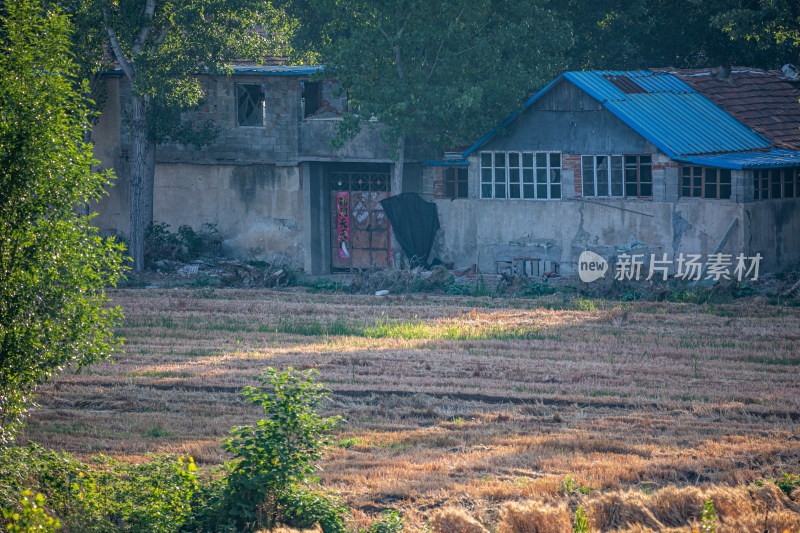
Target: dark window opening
(250, 105)
(455, 182)
(638, 176)
(776, 183)
(311, 97)
(704, 182)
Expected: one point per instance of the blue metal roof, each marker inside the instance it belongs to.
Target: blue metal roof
(774, 158)
(669, 113)
(276, 70)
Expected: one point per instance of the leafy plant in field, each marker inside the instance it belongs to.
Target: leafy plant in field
(280, 451)
(32, 518)
(390, 522)
(581, 524)
(788, 483)
(709, 518)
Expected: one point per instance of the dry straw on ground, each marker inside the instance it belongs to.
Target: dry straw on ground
(465, 402)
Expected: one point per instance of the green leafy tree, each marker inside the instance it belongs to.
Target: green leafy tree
(280, 451)
(773, 26)
(53, 265)
(161, 46)
(632, 34)
(441, 72)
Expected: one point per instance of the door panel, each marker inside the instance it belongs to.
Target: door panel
(359, 226)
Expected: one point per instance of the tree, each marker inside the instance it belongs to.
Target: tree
(771, 25)
(633, 34)
(161, 46)
(442, 72)
(53, 265)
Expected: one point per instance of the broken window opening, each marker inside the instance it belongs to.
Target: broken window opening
(251, 108)
(521, 175)
(705, 182)
(776, 183)
(312, 97)
(455, 182)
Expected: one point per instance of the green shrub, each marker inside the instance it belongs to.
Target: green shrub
(105, 495)
(263, 486)
(32, 518)
(390, 522)
(302, 508)
(788, 483)
(535, 289)
(184, 245)
(277, 453)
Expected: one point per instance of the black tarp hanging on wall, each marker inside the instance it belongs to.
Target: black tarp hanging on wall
(415, 223)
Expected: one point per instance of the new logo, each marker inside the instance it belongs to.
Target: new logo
(591, 267)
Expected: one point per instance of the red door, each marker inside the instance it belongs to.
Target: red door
(359, 226)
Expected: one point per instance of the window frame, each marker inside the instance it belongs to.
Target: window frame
(764, 186)
(638, 168)
(262, 102)
(702, 173)
(608, 167)
(451, 186)
(522, 173)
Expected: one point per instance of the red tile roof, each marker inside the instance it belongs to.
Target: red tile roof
(765, 101)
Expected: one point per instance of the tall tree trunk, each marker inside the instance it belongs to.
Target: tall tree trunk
(149, 182)
(397, 174)
(137, 179)
(397, 188)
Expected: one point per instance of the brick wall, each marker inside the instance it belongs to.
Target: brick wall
(572, 162)
(438, 182)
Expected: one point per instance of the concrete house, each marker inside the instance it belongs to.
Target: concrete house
(270, 182)
(660, 162)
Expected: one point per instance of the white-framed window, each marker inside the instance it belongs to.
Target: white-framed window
(521, 175)
(602, 176)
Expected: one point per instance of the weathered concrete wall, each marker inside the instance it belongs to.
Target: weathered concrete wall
(488, 232)
(257, 209)
(315, 143)
(774, 232)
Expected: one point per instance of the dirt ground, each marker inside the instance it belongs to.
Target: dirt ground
(470, 407)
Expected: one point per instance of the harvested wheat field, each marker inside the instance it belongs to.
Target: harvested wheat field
(472, 414)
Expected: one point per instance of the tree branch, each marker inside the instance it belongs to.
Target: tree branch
(127, 68)
(149, 10)
(441, 44)
(160, 39)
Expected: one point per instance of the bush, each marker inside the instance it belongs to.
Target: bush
(277, 453)
(157, 496)
(32, 518)
(54, 266)
(390, 522)
(185, 245)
